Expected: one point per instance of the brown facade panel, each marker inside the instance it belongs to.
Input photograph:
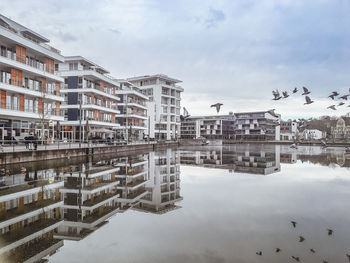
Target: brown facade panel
(21, 102)
(3, 99)
(21, 54)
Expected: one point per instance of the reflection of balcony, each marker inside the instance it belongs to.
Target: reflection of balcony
(133, 184)
(15, 212)
(6, 190)
(98, 199)
(96, 215)
(13, 239)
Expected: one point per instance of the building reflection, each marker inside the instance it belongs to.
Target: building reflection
(29, 215)
(163, 186)
(253, 159)
(40, 209)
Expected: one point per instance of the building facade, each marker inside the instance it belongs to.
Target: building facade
(29, 85)
(90, 100)
(289, 130)
(163, 106)
(133, 119)
(210, 127)
(341, 130)
(313, 134)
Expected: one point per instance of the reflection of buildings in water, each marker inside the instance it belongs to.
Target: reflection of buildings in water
(240, 158)
(29, 216)
(90, 197)
(288, 157)
(133, 176)
(163, 185)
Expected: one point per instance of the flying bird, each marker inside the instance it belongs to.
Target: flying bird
(301, 239)
(332, 107)
(324, 144)
(341, 103)
(312, 250)
(295, 90)
(293, 146)
(330, 232)
(334, 94)
(293, 222)
(217, 106)
(276, 95)
(285, 94)
(344, 97)
(348, 256)
(296, 258)
(308, 100)
(259, 253)
(306, 91)
(278, 250)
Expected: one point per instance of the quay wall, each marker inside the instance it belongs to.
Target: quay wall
(45, 155)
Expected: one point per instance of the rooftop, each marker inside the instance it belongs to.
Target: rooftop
(160, 76)
(86, 62)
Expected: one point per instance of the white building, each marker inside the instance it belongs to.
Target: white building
(289, 130)
(163, 106)
(133, 118)
(29, 86)
(88, 83)
(312, 134)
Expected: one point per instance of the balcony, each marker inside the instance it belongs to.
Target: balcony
(98, 199)
(32, 112)
(7, 190)
(96, 215)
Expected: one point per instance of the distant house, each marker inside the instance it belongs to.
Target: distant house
(313, 134)
(341, 130)
(289, 130)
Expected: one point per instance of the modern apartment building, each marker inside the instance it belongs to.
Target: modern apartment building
(257, 126)
(29, 85)
(133, 118)
(210, 127)
(164, 105)
(289, 130)
(90, 100)
(163, 186)
(29, 215)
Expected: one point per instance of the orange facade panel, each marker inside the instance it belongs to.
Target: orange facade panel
(57, 88)
(40, 106)
(43, 82)
(57, 108)
(16, 77)
(21, 54)
(102, 85)
(50, 65)
(3, 99)
(21, 102)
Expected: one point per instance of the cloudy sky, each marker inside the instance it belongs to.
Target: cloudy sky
(230, 51)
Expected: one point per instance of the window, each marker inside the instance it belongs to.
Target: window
(73, 66)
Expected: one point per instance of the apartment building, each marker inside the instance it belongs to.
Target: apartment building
(90, 198)
(90, 100)
(29, 85)
(164, 105)
(289, 130)
(133, 118)
(163, 186)
(210, 127)
(257, 126)
(29, 215)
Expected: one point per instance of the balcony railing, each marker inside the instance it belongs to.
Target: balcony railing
(46, 114)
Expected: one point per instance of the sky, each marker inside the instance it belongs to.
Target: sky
(230, 51)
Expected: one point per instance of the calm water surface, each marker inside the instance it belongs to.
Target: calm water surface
(220, 204)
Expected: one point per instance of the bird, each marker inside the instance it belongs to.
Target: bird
(332, 107)
(348, 256)
(301, 239)
(341, 103)
(285, 94)
(306, 91)
(308, 100)
(217, 106)
(293, 146)
(312, 250)
(330, 232)
(295, 90)
(278, 250)
(324, 144)
(296, 258)
(276, 95)
(334, 94)
(344, 97)
(293, 222)
(324, 261)
(259, 253)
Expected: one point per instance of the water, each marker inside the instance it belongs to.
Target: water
(220, 204)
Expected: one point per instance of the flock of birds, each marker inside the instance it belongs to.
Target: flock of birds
(308, 100)
(302, 239)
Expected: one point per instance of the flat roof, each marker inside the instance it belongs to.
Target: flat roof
(86, 61)
(160, 76)
(22, 29)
